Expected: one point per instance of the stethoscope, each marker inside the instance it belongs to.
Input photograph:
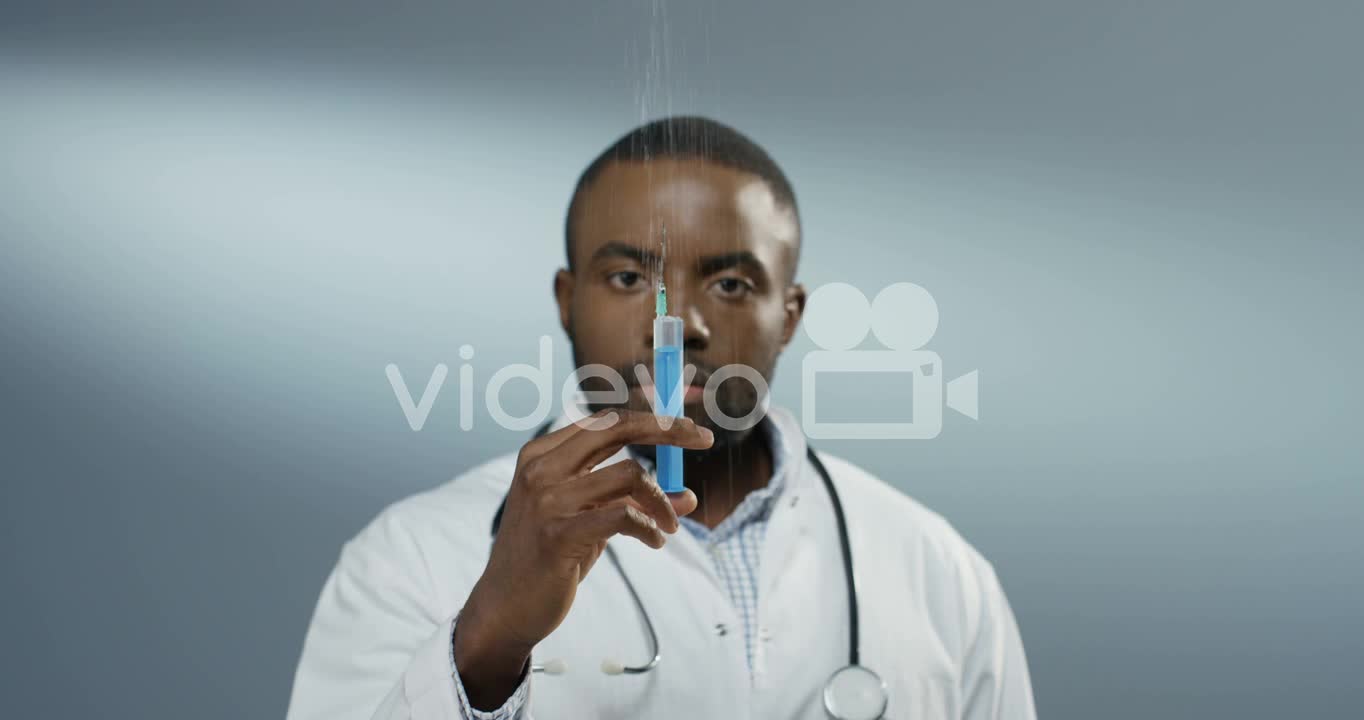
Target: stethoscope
(853, 692)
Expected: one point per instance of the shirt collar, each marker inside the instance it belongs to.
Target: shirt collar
(757, 504)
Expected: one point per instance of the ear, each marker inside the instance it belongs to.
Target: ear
(794, 305)
(563, 295)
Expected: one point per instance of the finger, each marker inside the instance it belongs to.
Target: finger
(684, 503)
(547, 442)
(623, 479)
(617, 519)
(585, 449)
(627, 499)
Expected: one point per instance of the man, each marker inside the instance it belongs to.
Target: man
(426, 615)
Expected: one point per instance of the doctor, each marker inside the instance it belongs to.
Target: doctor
(560, 582)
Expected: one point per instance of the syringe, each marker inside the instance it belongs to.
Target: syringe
(668, 391)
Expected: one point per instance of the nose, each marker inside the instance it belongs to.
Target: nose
(695, 331)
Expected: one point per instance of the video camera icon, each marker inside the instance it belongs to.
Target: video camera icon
(904, 317)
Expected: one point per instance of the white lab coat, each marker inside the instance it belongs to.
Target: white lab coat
(935, 623)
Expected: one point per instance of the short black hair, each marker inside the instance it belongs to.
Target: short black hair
(684, 136)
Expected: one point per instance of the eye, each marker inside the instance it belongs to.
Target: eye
(732, 288)
(625, 279)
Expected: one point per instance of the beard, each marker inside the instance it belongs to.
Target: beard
(735, 397)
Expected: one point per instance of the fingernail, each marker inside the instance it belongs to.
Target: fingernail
(707, 434)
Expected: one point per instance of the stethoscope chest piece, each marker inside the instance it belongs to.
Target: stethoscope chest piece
(855, 693)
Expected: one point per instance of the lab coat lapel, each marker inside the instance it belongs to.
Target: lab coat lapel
(793, 511)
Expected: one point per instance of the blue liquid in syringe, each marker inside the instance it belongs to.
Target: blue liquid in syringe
(668, 397)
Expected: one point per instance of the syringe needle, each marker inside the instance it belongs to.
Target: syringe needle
(661, 300)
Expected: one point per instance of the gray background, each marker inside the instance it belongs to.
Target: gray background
(1142, 223)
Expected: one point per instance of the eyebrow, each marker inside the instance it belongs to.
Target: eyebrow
(707, 265)
(715, 263)
(629, 252)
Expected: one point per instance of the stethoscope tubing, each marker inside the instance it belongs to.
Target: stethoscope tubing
(844, 543)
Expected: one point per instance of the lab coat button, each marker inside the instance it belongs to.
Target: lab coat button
(720, 629)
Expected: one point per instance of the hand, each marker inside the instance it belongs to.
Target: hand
(558, 517)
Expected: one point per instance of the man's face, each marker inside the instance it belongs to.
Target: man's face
(731, 253)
